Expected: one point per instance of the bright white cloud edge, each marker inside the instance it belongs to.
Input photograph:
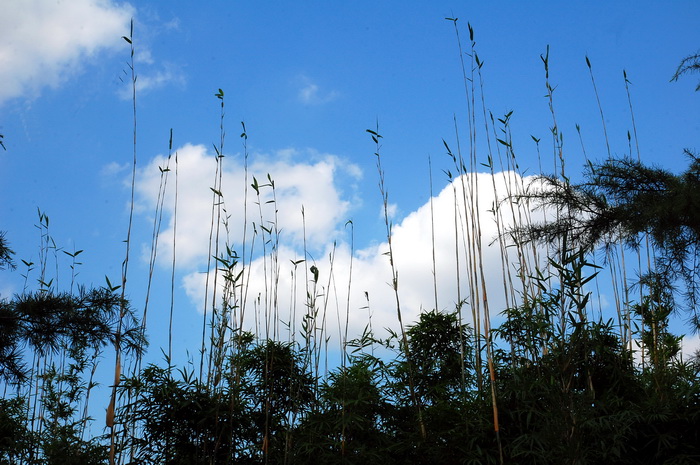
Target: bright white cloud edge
(44, 42)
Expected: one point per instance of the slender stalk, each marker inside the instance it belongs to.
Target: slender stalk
(432, 236)
(347, 302)
(245, 275)
(395, 278)
(487, 314)
(172, 275)
(600, 107)
(469, 199)
(218, 193)
(157, 221)
(646, 236)
(125, 263)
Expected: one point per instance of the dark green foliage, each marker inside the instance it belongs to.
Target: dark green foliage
(440, 349)
(580, 392)
(44, 419)
(279, 391)
(569, 391)
(15, 440)
(569, 395)
(668, 430)
(6, 252)
(62, 444)
(249, 416)
(348, 425)
(59, 443)
(688, 65)
(182, 421)
(623, 200)
(654, 311)
(46, 322)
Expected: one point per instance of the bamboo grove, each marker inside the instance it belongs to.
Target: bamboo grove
(555, 381)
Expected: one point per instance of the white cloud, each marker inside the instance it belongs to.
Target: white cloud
(311, 185)
(690, 345)
(143, 55)
(315, 185)
(371, 272)
(114, 169)
(151, 79)
(390, 211)
(311, 94)
(44, 42)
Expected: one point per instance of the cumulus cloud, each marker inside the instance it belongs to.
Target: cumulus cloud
(367, 272)
(44, 42)
(312, 184)
(282, 281)
(424, 233)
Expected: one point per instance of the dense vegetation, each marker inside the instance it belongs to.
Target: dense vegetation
(556, 382)
(568, 392)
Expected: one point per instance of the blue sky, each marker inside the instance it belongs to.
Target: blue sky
(307, 79)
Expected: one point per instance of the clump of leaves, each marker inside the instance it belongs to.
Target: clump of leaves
(49, 321)
(623, 200)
